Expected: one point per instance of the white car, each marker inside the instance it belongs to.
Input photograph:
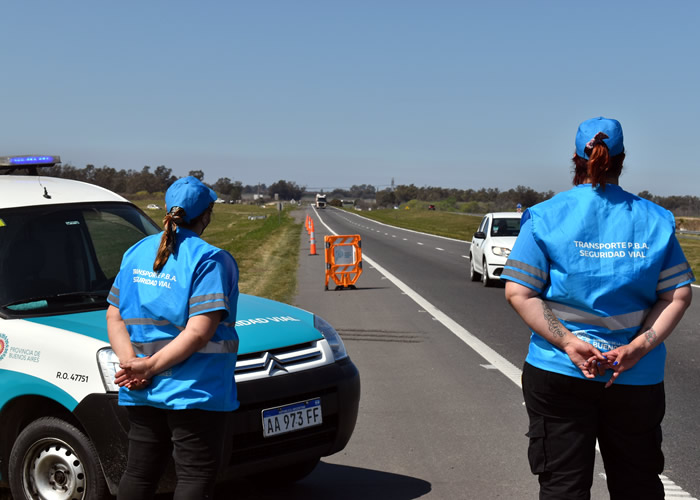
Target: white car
(491, 245)
(153, 206)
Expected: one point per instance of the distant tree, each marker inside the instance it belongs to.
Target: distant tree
(198, 174)
(646, 195)
(255, 189)
(237, 190)
(228, 189)
(335, 202)
(404, 193)
(162, 178)
(286, 190)
(339, 193)
(223, 186)
(386, 198)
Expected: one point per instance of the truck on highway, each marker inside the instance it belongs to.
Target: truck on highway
(320, 201)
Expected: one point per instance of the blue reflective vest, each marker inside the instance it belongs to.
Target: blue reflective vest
(198, 278)
(598, 258)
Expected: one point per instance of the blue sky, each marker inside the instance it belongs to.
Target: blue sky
(334, 93)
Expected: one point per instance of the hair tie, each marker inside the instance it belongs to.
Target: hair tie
(598, 139)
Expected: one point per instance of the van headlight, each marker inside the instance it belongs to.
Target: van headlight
(331, 337)
(109, 366)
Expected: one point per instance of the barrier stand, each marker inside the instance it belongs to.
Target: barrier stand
(312, 238)
(343, 260)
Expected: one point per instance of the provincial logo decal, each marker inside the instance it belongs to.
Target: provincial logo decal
(4, 345)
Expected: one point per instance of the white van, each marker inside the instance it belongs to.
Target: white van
(62, 433)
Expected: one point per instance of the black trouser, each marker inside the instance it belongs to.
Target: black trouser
(568, 414)
(197, 440)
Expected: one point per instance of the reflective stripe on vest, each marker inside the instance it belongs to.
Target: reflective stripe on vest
(221, 347)
(619, 322)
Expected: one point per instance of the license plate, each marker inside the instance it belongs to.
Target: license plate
(292, 417)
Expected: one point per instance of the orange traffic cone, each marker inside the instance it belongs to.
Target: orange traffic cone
(312, 238)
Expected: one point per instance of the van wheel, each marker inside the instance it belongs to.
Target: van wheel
(485, 280)
(473, 275)
(52, 459)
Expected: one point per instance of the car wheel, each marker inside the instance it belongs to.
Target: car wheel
(473, 275)
(52, 459)
(485, 280)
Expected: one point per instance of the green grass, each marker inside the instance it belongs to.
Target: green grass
(691, 248)
(266, 250)
(463, 226)
(450, 224)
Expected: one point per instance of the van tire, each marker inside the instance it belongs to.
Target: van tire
(54, 459)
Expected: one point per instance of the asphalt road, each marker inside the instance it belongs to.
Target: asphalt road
(439, 419)
(441, 415)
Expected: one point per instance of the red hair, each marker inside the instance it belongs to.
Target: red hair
(599, 168)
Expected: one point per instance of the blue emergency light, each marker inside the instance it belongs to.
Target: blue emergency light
(10, 164)
(17, 161)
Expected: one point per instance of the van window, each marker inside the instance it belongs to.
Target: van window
(64, 256)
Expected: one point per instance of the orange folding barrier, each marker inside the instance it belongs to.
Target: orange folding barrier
(343, 260)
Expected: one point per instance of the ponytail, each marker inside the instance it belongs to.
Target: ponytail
(600, 166)
(167, 242)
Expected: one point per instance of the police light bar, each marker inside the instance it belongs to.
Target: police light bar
(29, 161)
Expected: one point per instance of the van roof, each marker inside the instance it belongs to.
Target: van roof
(30, 190)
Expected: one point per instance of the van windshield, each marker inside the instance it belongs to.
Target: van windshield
(64, 258)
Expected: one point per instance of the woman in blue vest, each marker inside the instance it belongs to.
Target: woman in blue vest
(171, 324)
(599, 277)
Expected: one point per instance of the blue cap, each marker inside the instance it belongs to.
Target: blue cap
(588, 130)
(190, 194)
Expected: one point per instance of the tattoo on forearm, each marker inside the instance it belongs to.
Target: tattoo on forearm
(555, 327)
(650, 335)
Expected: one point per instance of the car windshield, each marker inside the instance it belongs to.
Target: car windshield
(505, 226)
(64, 258)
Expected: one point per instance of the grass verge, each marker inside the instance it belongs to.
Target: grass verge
(450, 224)
(463, 226)
(264, 242)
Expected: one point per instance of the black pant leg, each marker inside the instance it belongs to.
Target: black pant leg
(199, 438)
(630, 441)
(149, 452)
(563, 425)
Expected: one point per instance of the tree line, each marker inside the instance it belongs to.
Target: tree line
(132, 182)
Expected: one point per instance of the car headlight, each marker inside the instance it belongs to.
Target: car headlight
(501, 251)
(331, 337)
(109, 366)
